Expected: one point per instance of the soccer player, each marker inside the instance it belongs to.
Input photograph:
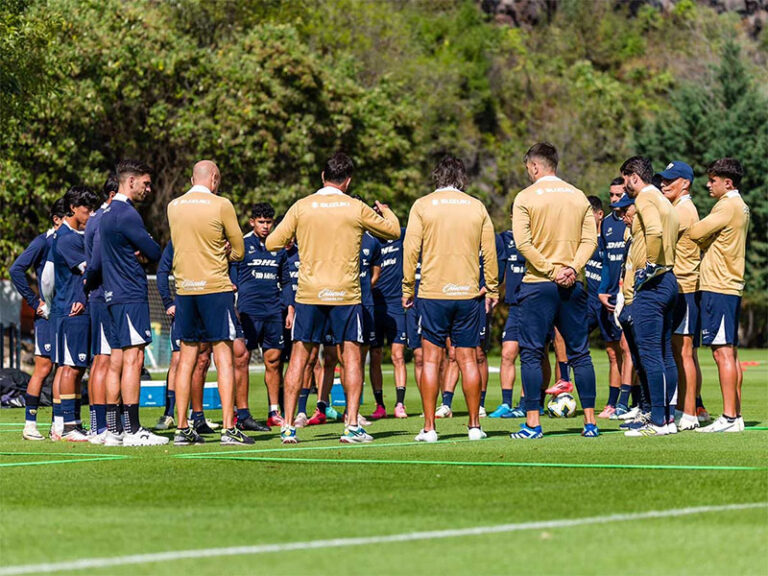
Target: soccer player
(125, 245)
(35, 257)
(449, 228)
(554, 229)
(656, 226)
(676, 184)
(258, 278)
(722, 235)
(69, 312)
(206, 236)
(329, 283)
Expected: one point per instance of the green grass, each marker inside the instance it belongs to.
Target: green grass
(155, 501)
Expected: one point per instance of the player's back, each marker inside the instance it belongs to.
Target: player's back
(68, 256)
(658, 218)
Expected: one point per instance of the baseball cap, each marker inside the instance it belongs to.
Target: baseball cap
(677, 169)
(623, 202)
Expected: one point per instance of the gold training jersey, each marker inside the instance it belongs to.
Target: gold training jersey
(658, 225)
(201, 224)
(723, 237)
(553, 226)
(688, 253)
(328, 226)
(635, 260)
(449, 228)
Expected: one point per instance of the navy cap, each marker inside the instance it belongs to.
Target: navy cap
(624, 201)
(677, 169)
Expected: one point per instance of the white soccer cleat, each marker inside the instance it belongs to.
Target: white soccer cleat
(443, 411)
(31, 432)
(74, 436)
(476, 434)
(98, 439)
(688, 422)
(740, 422)
(649, 430)
(483, 413)
(165, 423)
(672, 428)
(113, 439)
(631, 415)
(301, 420)
(722, 424)
(428, 437)
(144, 437)
(212, 425)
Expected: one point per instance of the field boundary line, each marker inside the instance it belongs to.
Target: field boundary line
(91, 563)
(74, 458)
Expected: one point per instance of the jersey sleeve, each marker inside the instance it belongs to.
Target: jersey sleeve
(386, 226)
(93, 277)
(411, 249)
(232, 231)
(164, 271)
(137, 235)
(711, 224)
(652, 227)
(285, 231)
(30, 258)
(588, 241)
(490, 260)
(73, 255)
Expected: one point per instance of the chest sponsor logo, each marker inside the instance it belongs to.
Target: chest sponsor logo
(456, 289)
(194, 285)
(328, 295)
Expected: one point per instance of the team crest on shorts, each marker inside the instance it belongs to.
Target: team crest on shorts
(147, 333)
(47, 347)
(81, 357)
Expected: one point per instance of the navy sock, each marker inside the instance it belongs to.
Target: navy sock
(506, 397)
(132, 413)
(482, 398)
(565, 372)
(243, 413)
(78, 405)
(30, 412)
(321, 406)
(56, 409)
(122, 420)
(170, 402)
(400, 391)
(198, 416)
(447, 399)
(624, 395)
(92, 412)
(636, 396)
(613, 396)
(100, 411)
(68, 410)
(303, 396)
(379, 396)
(112, 418)
(699, 402)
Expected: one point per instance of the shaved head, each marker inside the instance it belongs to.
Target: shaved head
(206, 173)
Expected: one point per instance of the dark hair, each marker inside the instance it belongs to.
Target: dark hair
(338, 168)
(727, 168)
(618, 181)
(357, 197)
(81, 196)
(657, 181)
(639, 165)
(126, 168)
(110, 186)
(596, 203)
(543, 151)
(262, 210)
(58, 209)
(450, 172)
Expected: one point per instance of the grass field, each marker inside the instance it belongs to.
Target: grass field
(544, 507)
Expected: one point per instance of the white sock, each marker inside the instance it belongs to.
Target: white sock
(274, 408)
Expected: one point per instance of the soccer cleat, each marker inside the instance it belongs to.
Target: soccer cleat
(527, 433)
(443, 411)
(165, 423)
(361, 420)
(631, 414)
(379, 413)
(400, 411)
(618, 412)
(212, 425)
(607, 412)
(648, 430)
(301, 420)
(332, 414)
(317, 418)
(722, 424)
(31, 433)
(54, 434)
(252, 425)
(275, 420)
(202, 427)
(516, 412)
(74, 435)
(688, 422)
(113, 439)
(359, 436)
(143, 437)
(561, 387)
(234, 437)
(642, 419)
(98, 439)
(288, 435)
(740, 422)
(672, 427)
(590, 431)
(702, 415)
(482, 413)
(426, 436)
(476, 433)
(187, 437)
(500, 411)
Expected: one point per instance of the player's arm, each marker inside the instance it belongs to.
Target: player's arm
(18, 270)
(605, 281)
(701, 231)
(411, 250)
(490, 260)
(376, 263)
(652, 227)
(164, 269)
(232, 231)
(284, 232)
(93, 276)
(386, 226)
(140, 239)
(521, 231)
(587, 243)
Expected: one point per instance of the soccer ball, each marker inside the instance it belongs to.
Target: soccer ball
(564, 406)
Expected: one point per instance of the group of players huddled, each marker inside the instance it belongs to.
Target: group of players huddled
(339, 275)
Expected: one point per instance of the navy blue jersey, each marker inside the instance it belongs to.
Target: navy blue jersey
(33, 257)
(290, 279)
(594, 269)
(91, 231)
(164, 270)
(389, 288)
(258, 279)
(514, 267)
(68, 257)
(500, 261)
(123, 233)
(612, 233)
(370, 256)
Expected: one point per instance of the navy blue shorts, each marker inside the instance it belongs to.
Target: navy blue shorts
(313, 321)
(175, 340)
(720, 319)
(485, 332)
(459, 320)
(511, 331)
(206, 317)
(73, 346)
(43, 345)
(413, 326)
(687, 316)
(599, 317)
(102, 335)
(369, 327)
(390, 323)
(264, 332)
(130, 324)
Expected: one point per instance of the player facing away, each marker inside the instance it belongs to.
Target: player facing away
(329, 295)
(449, 228)
(554, 230)
(656, 225)
(206, 236)
(722, 235)
(35, 257)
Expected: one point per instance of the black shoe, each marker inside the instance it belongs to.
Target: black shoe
(201, 427)
(252, 425)
(187, 437)
(233, 437)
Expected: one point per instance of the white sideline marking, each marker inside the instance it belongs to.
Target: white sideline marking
(345, 542)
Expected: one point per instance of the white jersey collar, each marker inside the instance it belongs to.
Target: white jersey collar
(685, 198)
(81, 232)
(732, 194)
(329, 191)
(550, 178)
(650, 188)
(120, 197)
(199, 188)
(448, 189)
